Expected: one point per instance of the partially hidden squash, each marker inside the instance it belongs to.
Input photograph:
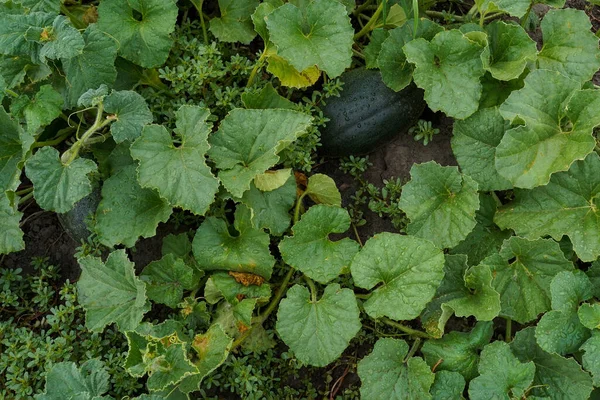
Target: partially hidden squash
(367, 114)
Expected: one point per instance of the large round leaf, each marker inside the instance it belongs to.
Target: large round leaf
(318, 331)
(406, 269)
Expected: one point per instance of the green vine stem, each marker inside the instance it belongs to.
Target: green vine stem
(257, 66)
(26, 197)
(198, 5)
(367, 28)
(438, 14)
(55, 141)
(71, 154)
(413, 349)
(312, 287)
(406, 329)
(24, 191)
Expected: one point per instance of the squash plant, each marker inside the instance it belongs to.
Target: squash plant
(509, 238)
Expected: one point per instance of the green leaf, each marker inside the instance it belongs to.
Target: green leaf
(406, 270)
(178, 171)
(44, 108)
(560, 331)
(128, 211)
(495, 92)
(558, 123)
(516, 8)
(593, 273)
(270, 210)
(440, 203)
(510, 49)
(48, 6)
(14, 145)
(110, 292)
(131, 113)
(248, 141)
(61, 41)
(566, 206)
(11, 235)
(167, 278)
(142, 28)
(212, 349)
(215, 248)
(452, 61)
(56, 186)
(485, 239)
(501, 374)
(93, 97)
(589, 315)
(318, 331)
(317, 34)
(522, 273)
(464, 291)
(448, 385)
(474, 143)
(92, 67)
(591, 356)
(235, 24)
(569, 45)
(556, 377)
(323, 190)
(272, 179)
(178, 245)
(372, 50)
(396, 71)
(267, 97)
(66, 381)
(386, 374)
(18, 34)
(310, 249)
(259, 19)
(459, 351)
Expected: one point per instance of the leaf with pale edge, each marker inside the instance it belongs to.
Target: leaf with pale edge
(215, 248)
(144, 38)
(386, 374)
(111, 293)
(270, 210)
(556, 121)
(568, 205)
(212, 349)
(448, 385)
(128, 211)
(287, 74)
(167, 278)
(56, 186)
(131, 113)
(406, 271)
(440, 203)
(449, 69)
(464, 292)
(92, 67)
(509, 50)
(501, 374)
(178, 172)
(272, 179)
(248, 141)
(474, 143)
(459, 351)
(310, 249)
(522, 273)
(234, 24)
(556, 377)
(318, 331)
(65, 381)
(569, 45)
(396, 71)
(319, 33)
(560, 331)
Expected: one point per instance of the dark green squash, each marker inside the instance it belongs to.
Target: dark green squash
(367, 114)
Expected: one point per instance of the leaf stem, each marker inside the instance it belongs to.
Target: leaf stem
(362, 7)
(198, 5)
(413, 349)
(367, 28)
(257, 66)
(526, 16)
(24, 191)
(26, 197)
(438, 14)
(403, 328)
(508, 335)
(297, 208)
(313, 288)
(56, 141)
